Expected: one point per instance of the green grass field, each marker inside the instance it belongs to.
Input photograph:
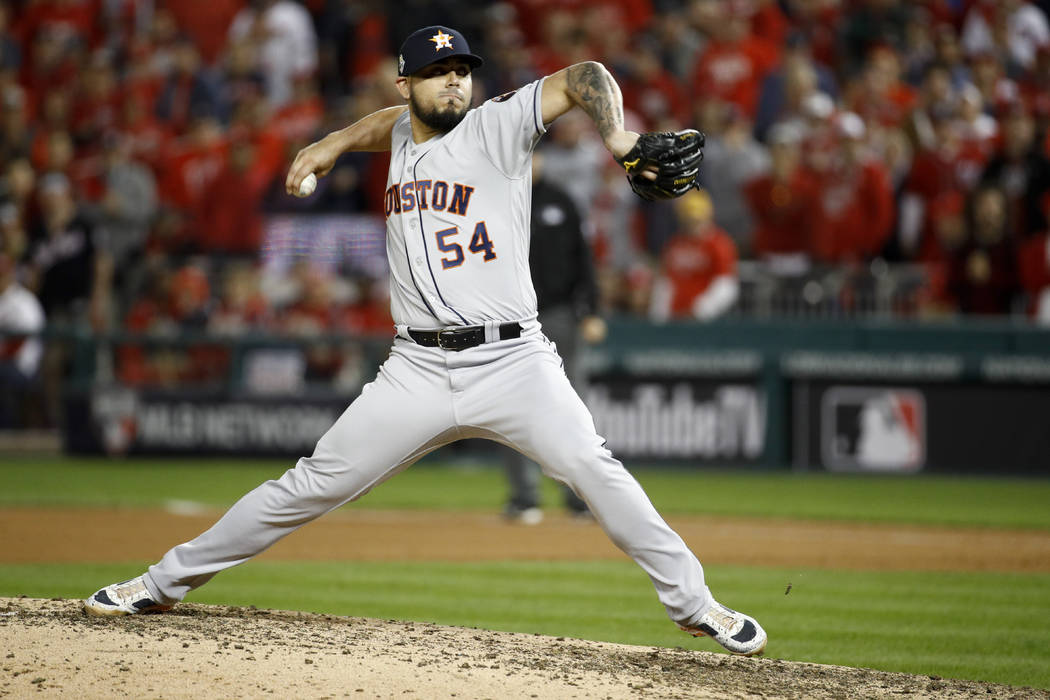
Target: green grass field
(981, 626)
(971, 501)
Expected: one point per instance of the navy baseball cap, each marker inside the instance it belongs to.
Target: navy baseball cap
(430, 44)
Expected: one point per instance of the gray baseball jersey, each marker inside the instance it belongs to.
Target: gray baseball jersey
(458, 210)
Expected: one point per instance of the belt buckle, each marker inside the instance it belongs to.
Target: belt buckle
(448, 338)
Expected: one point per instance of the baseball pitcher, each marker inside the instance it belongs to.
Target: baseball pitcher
(469, 359)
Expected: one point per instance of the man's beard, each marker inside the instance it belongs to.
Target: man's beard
(438, 119)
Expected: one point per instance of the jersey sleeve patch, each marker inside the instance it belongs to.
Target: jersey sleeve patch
(504, 97)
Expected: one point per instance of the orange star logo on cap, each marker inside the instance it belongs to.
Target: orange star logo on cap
(442, 40)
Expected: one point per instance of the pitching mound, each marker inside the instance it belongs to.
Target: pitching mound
(196, 651)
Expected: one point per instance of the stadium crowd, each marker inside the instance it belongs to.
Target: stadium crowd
(143, 145)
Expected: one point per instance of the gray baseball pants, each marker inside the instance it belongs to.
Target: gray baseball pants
(514, 392)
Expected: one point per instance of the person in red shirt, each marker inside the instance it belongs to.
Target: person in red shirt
(242, 308)
(232, 206)
(299, 119)
(147, 138)
(783, 201)
(935, 171)
(651, 91)
(1033, 267)
(369, 312)
(207, 23)
(734, 63)
(193, 165)
(878, 94)
(947, 215)
(986, 279)
(314, 313)
(855, 210)
(697, 276)
(96, 104)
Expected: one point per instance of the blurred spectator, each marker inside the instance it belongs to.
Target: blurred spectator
(1033, 266)
(988, 75)
(855, 203)
(935, 172)
(936, 94)
(506, 51)
(176, 304)
(785, 89)
(13, 238)
(352, 40)
(870, 24)
(574, 156)
(21, 317)
(677, 42)
(189, 90)
(242, 79)
(987, 279)
(193, 166)
(1021, 170)
(243, 307)
(300, 118)
(146, 364)
(206, 23)
(562, 41)
(734, 63)
(979, 130)
(68, 273)
(613, 220)
(878, 94)
(697, 277)
(128, 205)
(231, 207)
(147, 138)
(783, 203)
(96, 102)
(948, 218)
(948, 52)
(72, 18)
(768, 21)
(287, 43)
(651, 91)
(368, 312)
(1013, 30)
(732, 157)
(16, 134)
(316, 312)
(10, 47)
(72, 279)
(51, 66)
(918, 48)
(818, 21)
(18, 185)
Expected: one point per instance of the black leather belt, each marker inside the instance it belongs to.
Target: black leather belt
(462, 337)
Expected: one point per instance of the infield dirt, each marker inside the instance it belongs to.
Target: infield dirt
(49, 648)
(198, 651)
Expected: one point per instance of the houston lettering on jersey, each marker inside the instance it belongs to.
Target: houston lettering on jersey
(427, 195)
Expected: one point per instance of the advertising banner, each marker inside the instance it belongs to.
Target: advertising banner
(124, 421)
(964, 427)
(679, 418)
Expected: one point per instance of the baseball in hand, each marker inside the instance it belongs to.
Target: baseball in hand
(308, 185)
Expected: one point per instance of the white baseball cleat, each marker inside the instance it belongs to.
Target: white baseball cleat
(737, 632)
(124, 598)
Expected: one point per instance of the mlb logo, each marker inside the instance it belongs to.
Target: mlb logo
(873, 429)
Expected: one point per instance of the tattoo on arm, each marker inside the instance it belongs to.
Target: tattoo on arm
(595, 91)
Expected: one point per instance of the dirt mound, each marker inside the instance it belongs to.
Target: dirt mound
(53, 649)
